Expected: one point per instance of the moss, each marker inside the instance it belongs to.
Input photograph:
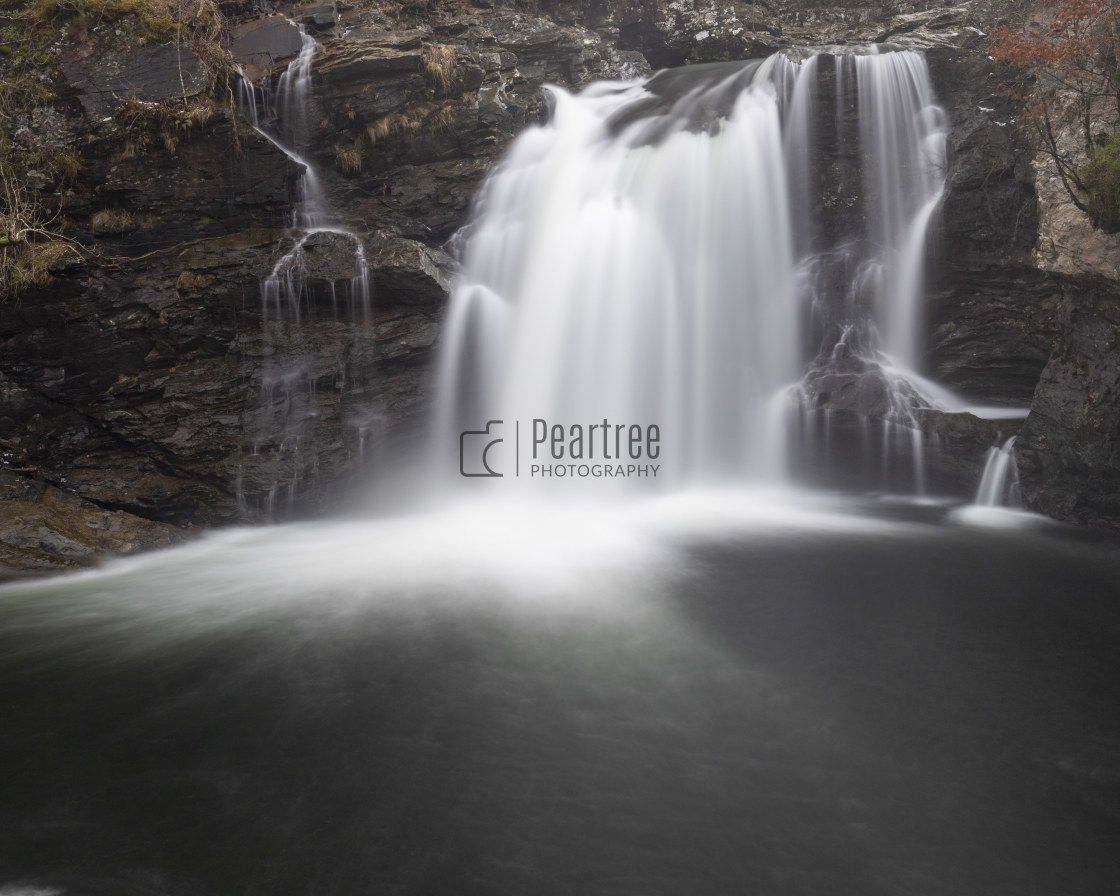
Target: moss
(89, 13)
(1101, 178)
(32, 237)
(60, 164)
(158, 29)
(21, 91)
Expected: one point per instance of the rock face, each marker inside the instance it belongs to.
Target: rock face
(89, 362)
(110, 74)
(993, 315)
(1067, 451)
(869, 440)
(45, 529)
(155, 380)
(1024, 309)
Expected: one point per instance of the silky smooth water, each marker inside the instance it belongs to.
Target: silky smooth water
(650, 255)
(999, 483)
(741, 694)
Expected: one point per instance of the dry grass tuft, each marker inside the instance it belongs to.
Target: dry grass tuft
(438, 63)
(431, 118)
(348, 158)
(110, 221)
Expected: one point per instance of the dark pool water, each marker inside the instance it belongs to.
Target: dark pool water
(874, 704)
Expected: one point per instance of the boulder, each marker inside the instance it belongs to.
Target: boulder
(410, 272)
(257, 46)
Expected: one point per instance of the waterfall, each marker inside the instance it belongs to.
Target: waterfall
(650, 256)
(296, 361)
(1000, 483)
(903, 143)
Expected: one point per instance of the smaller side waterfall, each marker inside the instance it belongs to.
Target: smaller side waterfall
(321, 274)
(903, 134)
(999, 486)
(858, 417)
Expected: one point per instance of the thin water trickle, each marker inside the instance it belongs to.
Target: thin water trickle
(288, 294)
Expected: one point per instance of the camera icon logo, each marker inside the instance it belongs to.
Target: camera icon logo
(474, 450)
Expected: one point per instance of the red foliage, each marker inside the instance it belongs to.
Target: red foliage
(1070, 49)
(1072, 45)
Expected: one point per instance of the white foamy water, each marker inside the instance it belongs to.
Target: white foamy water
(1000, 482)
(612, 275)
(647, 256)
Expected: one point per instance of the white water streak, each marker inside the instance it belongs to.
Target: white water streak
(1000, 477)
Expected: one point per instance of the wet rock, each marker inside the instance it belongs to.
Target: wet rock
(370, 53)
(1069, 462)
(44, 529)
(993, 332)
(330, 257)
(867, 394)
(673, 34)
(323, 15)
(928, 20)
(411, 273)
(189, 402)
(976, 433)
(148, 416)
(957, 447)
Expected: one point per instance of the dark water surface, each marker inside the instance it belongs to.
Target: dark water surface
(886, 707)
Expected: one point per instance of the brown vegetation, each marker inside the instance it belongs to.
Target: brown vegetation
(1070, 50)
(438, 64)
(348, 158)
(111, 221)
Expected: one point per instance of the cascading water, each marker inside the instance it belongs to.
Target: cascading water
(295, 363)
(866, 280)
(632, 261)
(999, 486)
(903, 141)
(650, 255)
